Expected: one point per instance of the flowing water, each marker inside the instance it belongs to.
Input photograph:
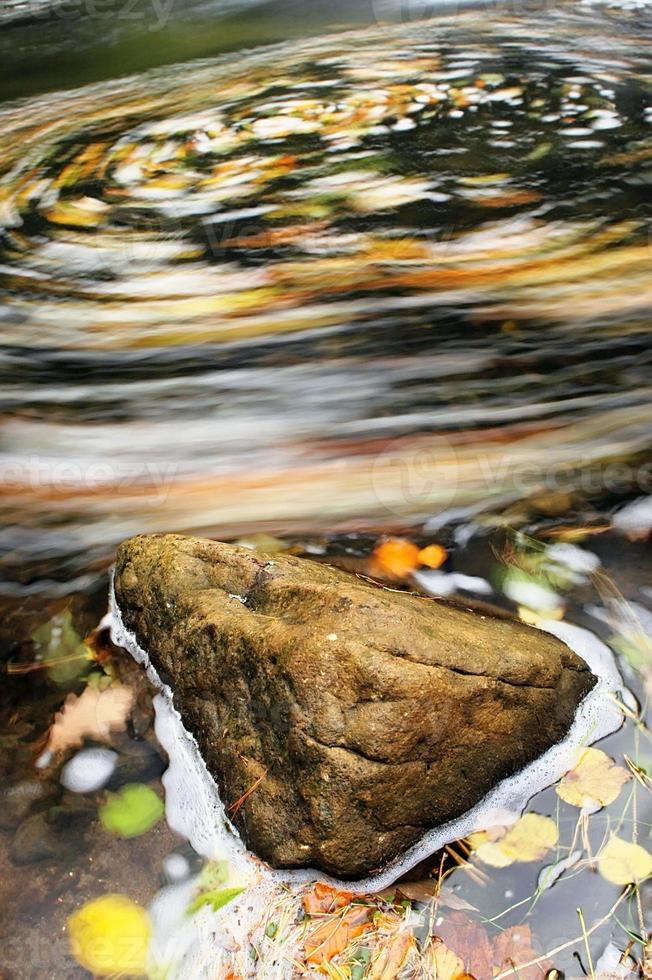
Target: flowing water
(259, 291)
(395, 279)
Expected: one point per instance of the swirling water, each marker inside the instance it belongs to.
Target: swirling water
(259, 291)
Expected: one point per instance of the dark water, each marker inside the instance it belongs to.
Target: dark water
(353, 284)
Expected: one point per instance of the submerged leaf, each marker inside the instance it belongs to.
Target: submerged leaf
(110, 935)
(596, 779)
(622, 862)
(62, 650)
(94, 714)
(469, 940)
(513, 947)
(132, 811)
(431, 889)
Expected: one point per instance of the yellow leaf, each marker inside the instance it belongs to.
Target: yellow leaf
(85, 212)
(535, 618)
(596, 779)
(622, 862)
(110, 935)
(388, 963)
(441, 962)
(527, 840)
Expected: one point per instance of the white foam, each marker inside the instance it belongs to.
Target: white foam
(195, 811)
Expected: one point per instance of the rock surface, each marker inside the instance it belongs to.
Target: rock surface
(368, 716)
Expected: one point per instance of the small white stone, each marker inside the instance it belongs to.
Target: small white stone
(176, 867)
(88, 770)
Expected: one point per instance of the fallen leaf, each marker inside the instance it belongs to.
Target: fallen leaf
(60, 648)
(513, 947)
(469, 940)
(396, 557)
(527, 840)
(323, 898)
(334, 933)
(430, 889)
(595, 780)
(552, 872)
(110, 936)
(132, 811)
(387, 964)
(432, 556)
(622, 862)
(614, 964)
(217, 899)
(440, 962)
(94, 714)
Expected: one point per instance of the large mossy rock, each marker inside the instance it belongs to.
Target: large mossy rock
(370, 715)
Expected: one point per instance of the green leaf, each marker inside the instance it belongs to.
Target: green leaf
(131, 811)
(216, 899)
(63, 651)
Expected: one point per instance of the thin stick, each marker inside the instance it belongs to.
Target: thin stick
(586, 943)
(563, 946)
(233, 809)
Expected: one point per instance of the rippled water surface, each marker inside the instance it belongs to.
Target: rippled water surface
(394, 281)
(235, 292)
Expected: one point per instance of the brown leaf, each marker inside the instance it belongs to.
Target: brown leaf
(334, 933)
(513, 947)
(419, 891)
(94, 714)
(471, 943)
(430, 889)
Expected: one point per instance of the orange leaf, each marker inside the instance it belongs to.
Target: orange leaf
(334, 933)
(433, 555)
(391, 958)
(396, 556)
(323, 898)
